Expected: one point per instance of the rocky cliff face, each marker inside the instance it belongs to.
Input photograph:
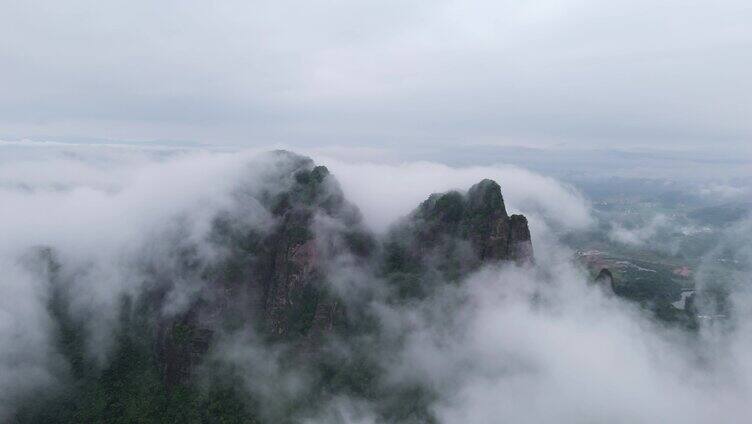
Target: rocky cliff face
(478, 217)
(276, 276)
(290, 261)
(273, 277)
(455, 233)
(605, 279)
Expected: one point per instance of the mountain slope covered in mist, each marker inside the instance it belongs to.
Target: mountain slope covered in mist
(199, 286)
(286, 270)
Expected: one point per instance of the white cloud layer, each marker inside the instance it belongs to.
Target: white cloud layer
(519, 346)
(385, 193)
(639, 234)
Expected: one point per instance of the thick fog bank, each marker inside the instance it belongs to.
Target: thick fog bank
(507, 344)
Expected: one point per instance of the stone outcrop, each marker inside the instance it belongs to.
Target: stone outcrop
(472, 226)
(605, 279)
(452, 234)
(520, 244)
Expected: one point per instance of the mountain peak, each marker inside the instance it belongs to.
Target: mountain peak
(485, 197)
(461, 231)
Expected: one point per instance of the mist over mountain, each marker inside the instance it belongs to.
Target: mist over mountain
(393, 211)
(169, 285)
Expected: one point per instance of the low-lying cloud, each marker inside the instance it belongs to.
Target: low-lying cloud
(639, 234)
(385, 193)
(508, 344)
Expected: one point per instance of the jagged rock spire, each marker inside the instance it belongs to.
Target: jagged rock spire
(458, 232)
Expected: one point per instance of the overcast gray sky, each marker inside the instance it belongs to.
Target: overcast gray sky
(623, 73)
